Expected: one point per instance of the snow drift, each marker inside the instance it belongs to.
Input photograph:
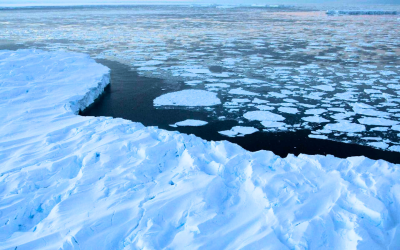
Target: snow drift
(72, 182)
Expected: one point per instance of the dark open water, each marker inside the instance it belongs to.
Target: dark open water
(131, 96)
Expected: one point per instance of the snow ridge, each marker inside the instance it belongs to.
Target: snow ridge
(72, 182)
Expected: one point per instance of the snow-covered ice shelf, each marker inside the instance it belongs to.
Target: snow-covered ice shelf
(72, 182)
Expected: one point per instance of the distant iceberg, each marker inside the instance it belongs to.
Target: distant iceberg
(360, 12)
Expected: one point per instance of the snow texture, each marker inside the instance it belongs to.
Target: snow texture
(72, 182)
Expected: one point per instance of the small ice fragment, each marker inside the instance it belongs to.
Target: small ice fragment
(318, 136)
(238, 131)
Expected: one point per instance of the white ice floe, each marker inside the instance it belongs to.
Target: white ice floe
(251, 81)
(315, 111)
(189, 98)
(73, 182)
(377, 121)
(288, 110)
(323, 137)
(381, 145)
(238, 131)
(264, 107)
(217, 85)
(345, 126)
(315, 119)
(325, 87)
(190, 123)
(272, 124)
(198, 71)
(259, 101)
(382, 129)
(396, 127)
(240, 91)
(395, 148)
(263, 116)
(147, 68)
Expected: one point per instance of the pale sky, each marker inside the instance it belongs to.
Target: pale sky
(88, 2)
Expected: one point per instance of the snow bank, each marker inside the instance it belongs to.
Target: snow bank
(72, 182)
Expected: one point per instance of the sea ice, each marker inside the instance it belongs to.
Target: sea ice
(381, 145)
(345, 126)
(396, 127)
(191, 123)
(189, 97)
(240, 91)
(272, 124)
(73, 182)
(263, 116)
(325, 87)
(238, 131)
(377, 121)
(324, 137)
(315, 119)
(288, 110)
(315, 111)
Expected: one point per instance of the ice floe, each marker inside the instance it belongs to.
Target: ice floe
(294, 67)
(191, 123)
(345, 126)
(315, 119)
(263, 116)
(377, 121)
(238, 131)
(188, 97)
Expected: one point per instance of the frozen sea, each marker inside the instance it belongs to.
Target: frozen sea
(336, 77)
(315, 71)
(74, 182)
(70, 181)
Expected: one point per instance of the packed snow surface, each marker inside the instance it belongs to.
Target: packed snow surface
(189, 97)
(72, 182)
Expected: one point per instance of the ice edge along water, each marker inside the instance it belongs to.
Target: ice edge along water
(72, 182)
